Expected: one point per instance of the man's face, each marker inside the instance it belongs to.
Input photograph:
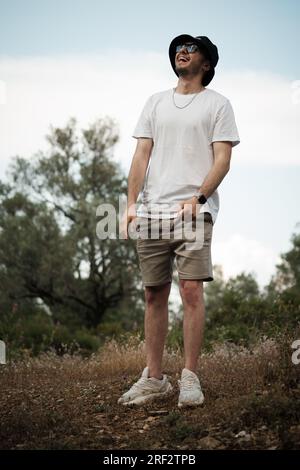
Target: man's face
(190, 63)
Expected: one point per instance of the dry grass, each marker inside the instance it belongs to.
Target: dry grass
(70, 402)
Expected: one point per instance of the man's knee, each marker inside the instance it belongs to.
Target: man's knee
(157, 294)
(191, 291)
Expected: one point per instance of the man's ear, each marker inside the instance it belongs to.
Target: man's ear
(206, 66)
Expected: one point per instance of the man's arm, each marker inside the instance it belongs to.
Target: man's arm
(222, 155)
(136, 177)
(138, 168)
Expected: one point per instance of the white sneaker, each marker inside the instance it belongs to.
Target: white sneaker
(190, 389)
(145, 389)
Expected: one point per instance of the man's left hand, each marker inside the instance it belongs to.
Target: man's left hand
(189, 206)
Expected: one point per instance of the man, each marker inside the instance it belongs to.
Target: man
(189, 132)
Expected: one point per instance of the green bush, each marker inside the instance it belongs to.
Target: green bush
(36, 332)
(175, 335)
(86, 341)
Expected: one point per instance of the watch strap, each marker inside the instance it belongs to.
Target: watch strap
(201, 198)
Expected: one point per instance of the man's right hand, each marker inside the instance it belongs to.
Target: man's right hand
(128, 216)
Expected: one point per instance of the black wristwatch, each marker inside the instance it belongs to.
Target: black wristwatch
(200, 197)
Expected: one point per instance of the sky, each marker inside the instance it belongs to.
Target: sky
(91, 59)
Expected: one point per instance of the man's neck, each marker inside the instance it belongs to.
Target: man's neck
(188, 87)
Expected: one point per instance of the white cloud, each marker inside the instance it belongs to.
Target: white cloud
(42, 90)
(267, 111)
(2, 92)
(237, 254)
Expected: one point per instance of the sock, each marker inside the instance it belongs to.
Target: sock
(157, 378)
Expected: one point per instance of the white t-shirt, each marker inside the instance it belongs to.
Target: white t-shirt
(182, 152)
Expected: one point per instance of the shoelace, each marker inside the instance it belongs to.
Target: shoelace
(142, 384)
(188, 383)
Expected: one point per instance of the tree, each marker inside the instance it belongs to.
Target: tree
(49, 247)
(287, 275)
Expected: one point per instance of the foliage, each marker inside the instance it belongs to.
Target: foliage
(49, 248)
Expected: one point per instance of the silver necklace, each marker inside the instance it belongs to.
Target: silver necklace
(180, 107)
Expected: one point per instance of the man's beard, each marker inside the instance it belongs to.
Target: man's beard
(185, 72)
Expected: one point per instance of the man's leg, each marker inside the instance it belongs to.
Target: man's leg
(156, 326)
(191, 292)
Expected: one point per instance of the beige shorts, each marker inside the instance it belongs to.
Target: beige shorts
(156, 254)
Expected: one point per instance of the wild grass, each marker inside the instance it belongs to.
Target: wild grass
(252, 400)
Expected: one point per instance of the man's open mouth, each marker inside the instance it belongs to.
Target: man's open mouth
(182, 59)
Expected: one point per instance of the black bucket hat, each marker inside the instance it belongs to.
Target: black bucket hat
(205, 45)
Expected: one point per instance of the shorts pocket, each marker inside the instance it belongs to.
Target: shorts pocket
(208, 217)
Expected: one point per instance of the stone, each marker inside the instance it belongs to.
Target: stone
(209, 442)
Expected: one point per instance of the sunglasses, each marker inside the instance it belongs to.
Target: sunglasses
(190, 48)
